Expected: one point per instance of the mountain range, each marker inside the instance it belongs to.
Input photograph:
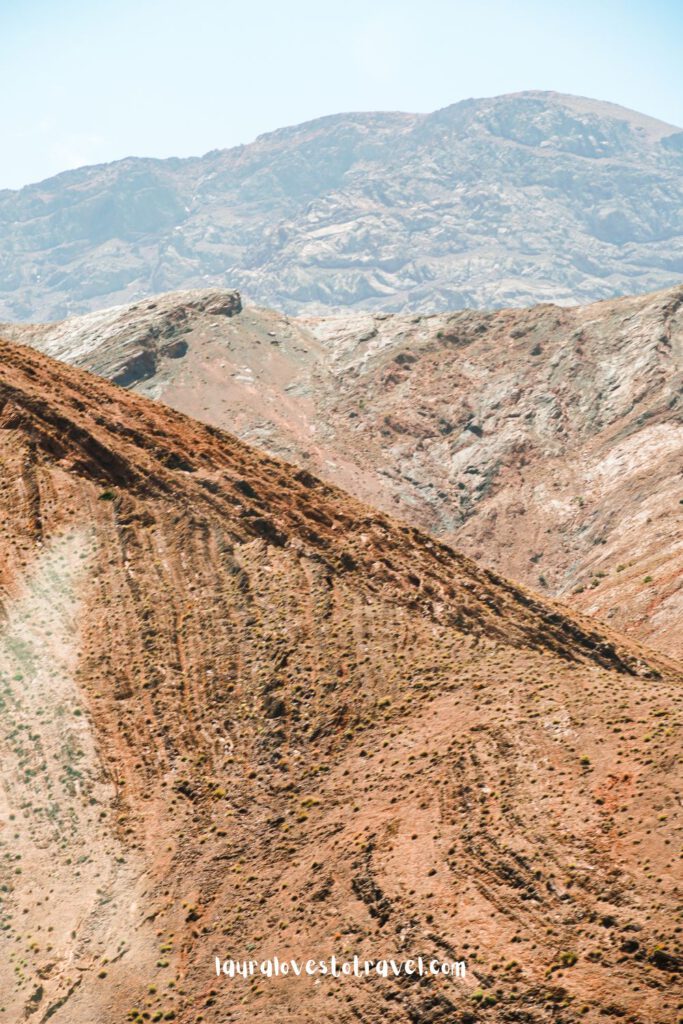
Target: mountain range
(279, 427)
(514, 200)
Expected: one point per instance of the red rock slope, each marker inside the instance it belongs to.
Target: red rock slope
(245, 715)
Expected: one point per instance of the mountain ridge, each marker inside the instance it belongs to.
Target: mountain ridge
(627, 113)
(53, 427)
(509, 200)
(562, 423)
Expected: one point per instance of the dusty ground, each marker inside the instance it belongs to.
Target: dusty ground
(276, 721)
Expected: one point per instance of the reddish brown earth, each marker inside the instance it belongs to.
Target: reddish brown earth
(245, 714)
(546, 442)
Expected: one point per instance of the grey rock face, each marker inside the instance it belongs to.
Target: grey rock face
(507, 201)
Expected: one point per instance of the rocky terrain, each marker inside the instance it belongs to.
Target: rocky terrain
(246, 715)
(545, 442)
(514, 200)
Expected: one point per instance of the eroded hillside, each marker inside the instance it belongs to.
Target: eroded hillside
(244, 714)
(546, 442)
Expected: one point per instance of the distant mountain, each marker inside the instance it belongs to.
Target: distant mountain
(507, 201)
(544, 442)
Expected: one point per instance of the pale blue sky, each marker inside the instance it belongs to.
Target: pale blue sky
(86, 82)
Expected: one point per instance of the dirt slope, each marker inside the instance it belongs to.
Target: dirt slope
(246, 715)
(545, 442)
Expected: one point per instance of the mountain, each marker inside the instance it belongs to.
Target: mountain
(544, 442)
(245, 715)
(513, 200)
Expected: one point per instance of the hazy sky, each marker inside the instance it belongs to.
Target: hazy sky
(85, 82)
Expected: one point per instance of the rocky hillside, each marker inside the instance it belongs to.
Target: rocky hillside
(545, 442)
(507, 201)
(245, 715)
